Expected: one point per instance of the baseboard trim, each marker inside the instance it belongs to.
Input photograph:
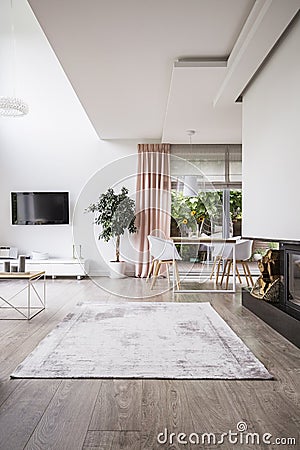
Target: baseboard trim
(104, 273)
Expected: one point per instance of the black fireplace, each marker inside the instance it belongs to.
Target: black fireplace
(284, 313)
(290, 302)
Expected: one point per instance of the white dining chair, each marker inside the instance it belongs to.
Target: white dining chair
(243, 252)
(163, 251)
(220, 252)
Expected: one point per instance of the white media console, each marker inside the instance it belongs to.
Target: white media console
(59, 267)
(55, 267)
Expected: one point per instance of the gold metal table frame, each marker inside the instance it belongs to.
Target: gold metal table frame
(30, 310)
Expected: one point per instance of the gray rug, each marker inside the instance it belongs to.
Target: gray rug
(142, 340)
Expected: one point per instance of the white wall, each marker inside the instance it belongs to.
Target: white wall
(271, 145)
(54, 147)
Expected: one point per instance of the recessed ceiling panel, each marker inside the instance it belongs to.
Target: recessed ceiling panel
(191, 107)
(119, 54)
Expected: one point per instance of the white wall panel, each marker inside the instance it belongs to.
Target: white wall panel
(54, 147)
(271, 145)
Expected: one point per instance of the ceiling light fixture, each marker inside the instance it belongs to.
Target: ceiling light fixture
(13, 106)
(200, 62)
(190, 187)
(190, 133)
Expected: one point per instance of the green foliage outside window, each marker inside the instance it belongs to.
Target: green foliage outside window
(192, 211)
(236, 205)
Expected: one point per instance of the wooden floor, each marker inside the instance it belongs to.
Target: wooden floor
(129, 414)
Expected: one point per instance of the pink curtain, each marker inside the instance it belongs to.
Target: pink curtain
(153, 199)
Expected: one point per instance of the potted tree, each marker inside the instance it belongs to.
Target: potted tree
(115, 213)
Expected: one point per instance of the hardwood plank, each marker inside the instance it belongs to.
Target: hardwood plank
(135, 289)
(225, 404)
(112, 440)
(65, 421)
(264, 408)
(118, 406)
(180, 405)
(21, 412)
(5, 326)
(165, 406)
(209, 406)
(244, 322)
(289, 385)
(6, 388)
(277, 354)
(24, 336)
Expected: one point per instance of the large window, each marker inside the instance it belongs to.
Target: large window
(207, 182)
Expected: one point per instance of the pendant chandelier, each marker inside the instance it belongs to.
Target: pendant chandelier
(13, 106)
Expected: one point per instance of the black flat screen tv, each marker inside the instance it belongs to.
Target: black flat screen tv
(40, 208)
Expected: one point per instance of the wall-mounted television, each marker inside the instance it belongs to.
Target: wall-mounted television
(40, 208)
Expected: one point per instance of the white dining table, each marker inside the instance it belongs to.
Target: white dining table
(209, 242)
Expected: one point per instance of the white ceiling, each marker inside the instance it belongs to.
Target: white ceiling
(191, 107)
(119, 57)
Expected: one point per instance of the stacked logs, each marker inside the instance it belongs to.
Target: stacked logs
(268, 286)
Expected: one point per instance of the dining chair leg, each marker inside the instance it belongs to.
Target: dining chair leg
(218, 269)
(168, 273)
(156, 272)
(150, 270)
(246, 273)
(213, 268)
(177, 275)
(249, 273)
(247, 269)
(238, 272)
(224, 271)
(228, 273)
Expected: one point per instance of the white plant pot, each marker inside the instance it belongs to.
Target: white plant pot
(257, 256)
(117, 269)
